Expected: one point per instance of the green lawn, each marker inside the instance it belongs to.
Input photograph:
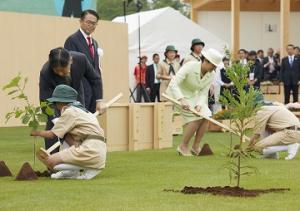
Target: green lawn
(135, 181)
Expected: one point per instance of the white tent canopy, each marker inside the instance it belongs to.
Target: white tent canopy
(160, 28)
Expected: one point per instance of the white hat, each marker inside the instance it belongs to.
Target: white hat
(213, 56)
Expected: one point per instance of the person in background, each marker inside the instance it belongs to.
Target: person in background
(140, 79)
(242, 54)
(260, 56)
(83, 42)
(72, 8)
(271, 67)
(290, 74)
(167, 69)
(226, 83)
(297, 51)
(152, 83)
(190, 87)
(196, 48)
(255, 73)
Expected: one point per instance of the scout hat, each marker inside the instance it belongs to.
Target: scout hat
(170, 48)
(196, 41)
(213, 56)
(63, 94)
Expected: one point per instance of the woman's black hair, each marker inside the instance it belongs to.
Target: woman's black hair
(59, 57)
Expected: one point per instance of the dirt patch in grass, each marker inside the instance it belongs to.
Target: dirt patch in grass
(45, 173)
(26, 173)
(4, 170)
(228, 191)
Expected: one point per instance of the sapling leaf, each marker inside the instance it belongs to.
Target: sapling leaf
(34, 124)
(25, 119)
(49, 111)
(42, 117)
(13, 83)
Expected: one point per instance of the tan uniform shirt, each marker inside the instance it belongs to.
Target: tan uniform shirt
(163, 70)
(90, 152)
(275, 118)
(78, 123)
(191, 57)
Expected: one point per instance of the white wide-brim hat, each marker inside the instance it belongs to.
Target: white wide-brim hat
(213, 56)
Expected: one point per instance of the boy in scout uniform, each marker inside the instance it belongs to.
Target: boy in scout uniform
(167, 69)
(81, 130)
(277, 129)
(196, 48)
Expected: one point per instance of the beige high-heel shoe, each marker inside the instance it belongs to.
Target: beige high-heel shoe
(195, 153)
(180, 152)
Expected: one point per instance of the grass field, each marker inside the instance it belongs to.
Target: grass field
(135, 181)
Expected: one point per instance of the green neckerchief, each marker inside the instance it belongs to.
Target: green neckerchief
(77, 104)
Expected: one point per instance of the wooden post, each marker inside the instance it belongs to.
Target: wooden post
(134, 128)
(194, 15)
(285, 6)
(235, 27)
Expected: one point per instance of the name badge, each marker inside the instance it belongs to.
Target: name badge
(251, 76)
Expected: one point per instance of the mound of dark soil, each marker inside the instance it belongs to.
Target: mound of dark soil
(26, 173)
(206, 150)
(4, 170)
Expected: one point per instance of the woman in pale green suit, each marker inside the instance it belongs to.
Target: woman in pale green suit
(190, 86)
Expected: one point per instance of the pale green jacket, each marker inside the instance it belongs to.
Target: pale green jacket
(188, 84)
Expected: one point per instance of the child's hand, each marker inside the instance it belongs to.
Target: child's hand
(34, 133)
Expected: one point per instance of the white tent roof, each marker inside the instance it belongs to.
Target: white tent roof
(163, 27)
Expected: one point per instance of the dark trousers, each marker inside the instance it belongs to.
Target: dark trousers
(50, 142)
(89, 98)
(141, 91)
(72, 7)
(49, 126)
(287, 93)
(155, 93)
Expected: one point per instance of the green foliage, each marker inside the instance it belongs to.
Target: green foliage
(176, 4)
(243, 108)
(28, 114)
(109, 9)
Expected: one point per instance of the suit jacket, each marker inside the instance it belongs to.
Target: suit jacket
(80, 68)
(77, 42)
(267, 69)
(150, 76)
(257, 69)
(290, 75)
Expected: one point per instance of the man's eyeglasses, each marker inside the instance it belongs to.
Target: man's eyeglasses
(91, 23)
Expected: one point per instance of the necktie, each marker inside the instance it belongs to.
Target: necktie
(91, 47)
(171, 70)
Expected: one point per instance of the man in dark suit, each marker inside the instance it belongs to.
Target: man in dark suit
(271, 67)
(81, 41)
(152, 83)
(255, 73)
(290, 74)
(68, 67)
